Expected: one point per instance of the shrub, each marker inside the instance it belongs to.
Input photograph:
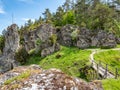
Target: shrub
(53, 38)
(38, 42)
(74, 34)
(21, 55)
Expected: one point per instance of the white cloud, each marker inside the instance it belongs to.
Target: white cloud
(1, 10)
(26, 19)
(26, 1)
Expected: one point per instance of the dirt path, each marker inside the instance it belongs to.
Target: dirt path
(102, 71)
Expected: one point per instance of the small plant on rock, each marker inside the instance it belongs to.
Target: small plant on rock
(21, 55)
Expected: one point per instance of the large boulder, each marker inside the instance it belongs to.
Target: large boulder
(83, 38)
(108, 41)
(66, 37)
(82, 42)
(44, 39)
(38, 79)
(50, 50)
(118, 40)
(43, 33)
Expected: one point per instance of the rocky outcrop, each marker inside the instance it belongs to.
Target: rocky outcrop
(65, 35)
(11, 39)
(118, 40)
(83, 38)
(50, 50)
(39, 79)
(7, 61)
(41, 35)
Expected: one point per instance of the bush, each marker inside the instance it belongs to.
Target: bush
(74, 34)
(21, 55)
(38, 42)
(53, 38)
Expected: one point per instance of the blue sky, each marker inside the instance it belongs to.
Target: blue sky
(23, 10)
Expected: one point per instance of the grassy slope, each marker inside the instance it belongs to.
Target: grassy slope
(71, 60)
(111, 57)
(69, 56)
(111, 84)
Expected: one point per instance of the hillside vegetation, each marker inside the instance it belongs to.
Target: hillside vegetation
(111, 84)
(68, 59)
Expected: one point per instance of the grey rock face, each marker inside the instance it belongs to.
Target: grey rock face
(12, 39)
(118, 40)
(86, 38)
(50, 50)
(109, 41)
(43, 34)
(66, 35)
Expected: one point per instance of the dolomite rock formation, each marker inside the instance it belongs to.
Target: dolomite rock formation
(12, 39)
(85, 38)
(42, 34)
(39, 79)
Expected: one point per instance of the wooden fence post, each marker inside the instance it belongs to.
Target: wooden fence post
(100, 63)
(116, 73)
(97, 71)
(106, 70)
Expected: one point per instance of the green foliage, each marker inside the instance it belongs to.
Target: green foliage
(111, 84)
(102, 15)
(21, 55)
(69, 18)
(38, 42)
(74, 34)
(69, 56)
(2, 43)
(47, 16)
(53, 38)
(18, 78)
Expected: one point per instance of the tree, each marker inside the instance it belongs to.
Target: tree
(67, 5)
(58, 17)
(69, 18)
(47, 16)
(81, 11)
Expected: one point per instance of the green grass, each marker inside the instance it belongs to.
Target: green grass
(111, 84)
(70, 61)
(111, 57)
(17, 78)
(118, 46)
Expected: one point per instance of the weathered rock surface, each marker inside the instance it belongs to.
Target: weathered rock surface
(84, 38)
(118, 40)
(38, 79)
(11, 39)
(43, 34)
(50, 50)
(65, 35)
(7, 61)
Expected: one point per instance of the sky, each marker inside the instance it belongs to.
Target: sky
(22, 10)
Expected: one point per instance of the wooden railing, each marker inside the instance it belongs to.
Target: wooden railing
(104, 70)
